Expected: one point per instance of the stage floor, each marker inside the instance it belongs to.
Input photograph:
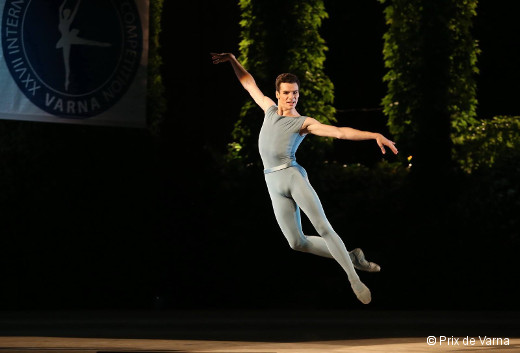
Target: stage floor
(96, 345)
(258, 332)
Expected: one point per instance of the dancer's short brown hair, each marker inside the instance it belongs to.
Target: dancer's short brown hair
(286, 78)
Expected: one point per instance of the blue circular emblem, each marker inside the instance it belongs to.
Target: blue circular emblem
(72, 58)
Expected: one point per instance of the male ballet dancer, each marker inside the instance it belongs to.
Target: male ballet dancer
(282, 132)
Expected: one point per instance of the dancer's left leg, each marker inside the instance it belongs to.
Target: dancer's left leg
(66, 60)
(82, 41)
(318, 246)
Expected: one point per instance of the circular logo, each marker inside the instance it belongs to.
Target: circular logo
(72, 58)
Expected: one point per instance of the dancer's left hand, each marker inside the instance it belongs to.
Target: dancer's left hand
(383, 141)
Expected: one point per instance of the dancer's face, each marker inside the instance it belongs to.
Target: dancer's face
(66, 13)
(288, 95)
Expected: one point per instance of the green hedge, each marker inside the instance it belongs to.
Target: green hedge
(431, 59)
(156, 102)
(488, 144)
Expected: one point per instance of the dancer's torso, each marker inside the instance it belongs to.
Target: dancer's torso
(279, 138)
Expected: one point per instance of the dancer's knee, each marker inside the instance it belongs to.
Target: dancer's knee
(324, 229)
(298, 244)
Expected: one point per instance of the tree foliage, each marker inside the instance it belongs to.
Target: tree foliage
(283, 37)
(431, 59)
(490, 142)
(156, 103)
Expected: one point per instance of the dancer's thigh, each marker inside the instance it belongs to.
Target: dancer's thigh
(307, 198)
(286, 210)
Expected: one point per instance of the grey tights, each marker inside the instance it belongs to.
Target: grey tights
(290, 190)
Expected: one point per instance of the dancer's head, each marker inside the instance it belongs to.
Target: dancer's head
(286, 78)
(66, 13)
(287, 90)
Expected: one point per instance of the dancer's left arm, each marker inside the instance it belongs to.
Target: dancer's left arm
(313, 126)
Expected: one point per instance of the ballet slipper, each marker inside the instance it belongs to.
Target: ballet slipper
(361, 291)
(360, 263)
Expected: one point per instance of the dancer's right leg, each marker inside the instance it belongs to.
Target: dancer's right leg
(318, 246)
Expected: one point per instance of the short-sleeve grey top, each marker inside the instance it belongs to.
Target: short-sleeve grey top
(279, 138)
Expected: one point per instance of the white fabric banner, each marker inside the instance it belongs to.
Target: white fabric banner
(74, 61)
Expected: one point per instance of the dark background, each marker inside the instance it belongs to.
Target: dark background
(111, 218)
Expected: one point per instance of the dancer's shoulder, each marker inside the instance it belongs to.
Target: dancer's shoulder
(271, 111)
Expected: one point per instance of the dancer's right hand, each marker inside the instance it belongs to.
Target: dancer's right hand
(221, 58)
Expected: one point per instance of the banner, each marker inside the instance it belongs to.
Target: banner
(74, 61)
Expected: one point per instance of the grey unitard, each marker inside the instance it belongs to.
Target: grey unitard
(290, 190)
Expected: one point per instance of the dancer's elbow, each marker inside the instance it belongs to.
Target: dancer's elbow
(247, 81)
(337, 133)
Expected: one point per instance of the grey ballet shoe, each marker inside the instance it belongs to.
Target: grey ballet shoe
(361, 291)
(360, 263)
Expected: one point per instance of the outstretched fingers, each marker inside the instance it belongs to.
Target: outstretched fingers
(215, 57)
(383, 141)
(392, 147)
(219, 58)
(382, 146)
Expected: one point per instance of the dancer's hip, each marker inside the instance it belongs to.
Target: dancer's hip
(281, 167)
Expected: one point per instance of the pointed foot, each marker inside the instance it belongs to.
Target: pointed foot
(359, 261)
(361, 291)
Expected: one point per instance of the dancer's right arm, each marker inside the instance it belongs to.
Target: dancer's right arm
(75, 10)
(245, 78)
(61, 9)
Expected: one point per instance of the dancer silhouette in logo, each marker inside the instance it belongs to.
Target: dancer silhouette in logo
(282, 131)
(70, 37)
